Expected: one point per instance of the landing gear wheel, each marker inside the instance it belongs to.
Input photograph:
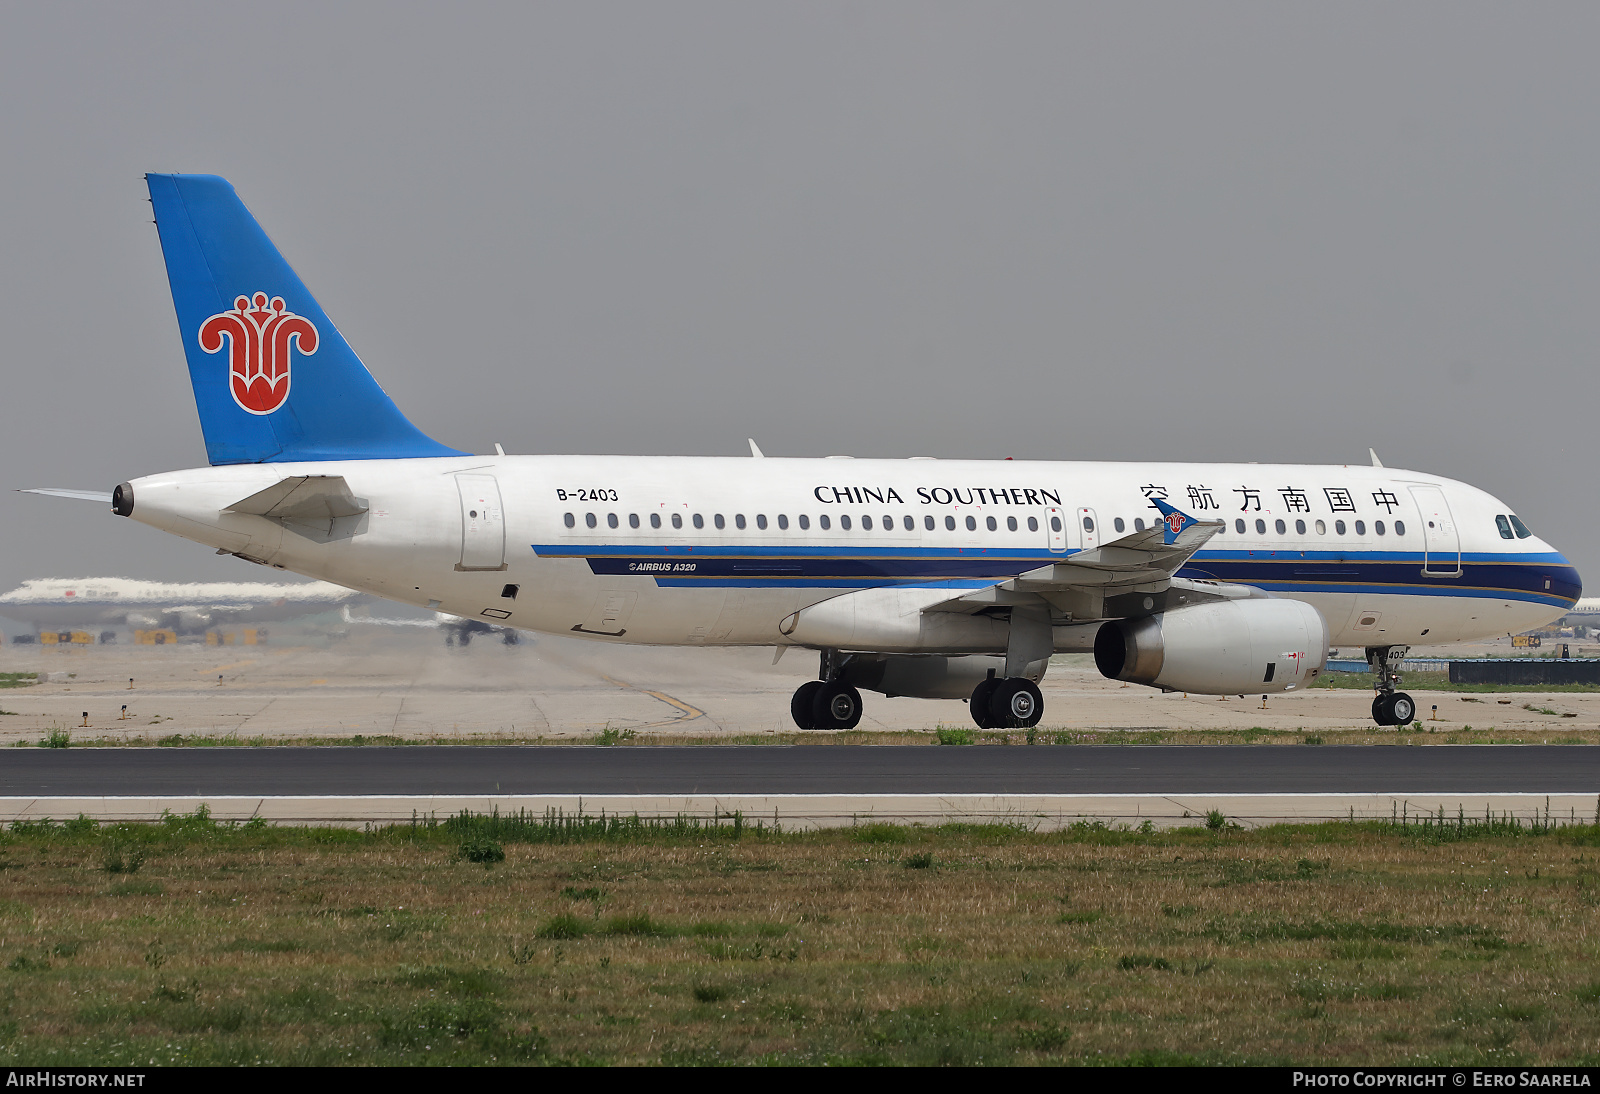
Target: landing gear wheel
(978, 705)
(836, 705)
(1015, 704)
(800, 705)
(1395, 709)
(1403, 709)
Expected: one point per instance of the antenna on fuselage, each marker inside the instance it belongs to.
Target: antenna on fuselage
(755, 449)
(1375, 461)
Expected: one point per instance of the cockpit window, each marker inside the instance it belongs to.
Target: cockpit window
(1522, 529)
(1504, 525)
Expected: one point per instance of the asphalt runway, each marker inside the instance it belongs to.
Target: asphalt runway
(806, 770)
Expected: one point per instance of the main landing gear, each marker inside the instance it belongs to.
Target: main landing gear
(826, 704)
(1014, 703)
(1390, 707)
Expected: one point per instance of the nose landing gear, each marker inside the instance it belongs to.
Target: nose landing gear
(1390, 707)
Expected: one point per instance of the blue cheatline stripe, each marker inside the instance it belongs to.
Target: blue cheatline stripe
(1044, 555)
(1531, 578)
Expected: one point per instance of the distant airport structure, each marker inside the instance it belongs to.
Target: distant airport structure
(86, 605)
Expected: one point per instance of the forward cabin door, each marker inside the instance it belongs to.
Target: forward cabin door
(1439, 536)
(483, 524)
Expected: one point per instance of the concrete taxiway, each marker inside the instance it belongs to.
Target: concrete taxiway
(407, 683)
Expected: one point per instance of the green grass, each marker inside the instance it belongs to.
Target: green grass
(17, 679)
(1451, 940)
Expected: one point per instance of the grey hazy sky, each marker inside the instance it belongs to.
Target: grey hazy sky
(1210, 231)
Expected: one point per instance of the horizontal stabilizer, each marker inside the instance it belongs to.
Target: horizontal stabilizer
(101, 496)
(302, 498)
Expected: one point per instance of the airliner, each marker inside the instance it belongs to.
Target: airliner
(185, 608)
(920, 577)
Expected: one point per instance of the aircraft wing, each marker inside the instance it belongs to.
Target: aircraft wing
(1111, 580)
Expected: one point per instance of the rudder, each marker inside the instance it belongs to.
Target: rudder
(274, 380)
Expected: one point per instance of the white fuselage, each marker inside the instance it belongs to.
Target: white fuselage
(718, 551)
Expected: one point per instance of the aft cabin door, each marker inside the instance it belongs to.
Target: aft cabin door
(1439, 536)
(483, 524)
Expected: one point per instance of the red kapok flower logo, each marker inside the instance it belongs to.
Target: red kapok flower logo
(259, 333)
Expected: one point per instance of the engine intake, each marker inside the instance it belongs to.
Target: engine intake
(1231, 647)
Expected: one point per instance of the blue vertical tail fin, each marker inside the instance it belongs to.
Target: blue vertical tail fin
(274, 380)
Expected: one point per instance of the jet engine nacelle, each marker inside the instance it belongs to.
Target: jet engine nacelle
(1235, 647)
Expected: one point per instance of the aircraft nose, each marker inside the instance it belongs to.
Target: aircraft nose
(1560, 578)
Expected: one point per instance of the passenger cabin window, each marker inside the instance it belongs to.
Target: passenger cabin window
(1361, 527)
(1522, 529)
(633, 520)
(989, 522)
(655, 520)
(699, 521)
(1055, 524)
(1278, 524)
(866, 523)
(738, 521)
(1261, 527)
(1322, 529)
(611, 520)
(1377, 526)
(844, 522)
(972, 524)
(1504, 525)
(1299, 527)
(1338, 527)
(1118, 525)
(570, 522)
(950, 524)
(588, 518)
(911, 524)
(677, 520)
(1238, 526)
(822, 522)
(805, 522)
(1399, 527)
(1033, 524)
(1138, 524)
(1011, 524)
(927, 522)
(1088, 524)
(761, 522)
(719, 522)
